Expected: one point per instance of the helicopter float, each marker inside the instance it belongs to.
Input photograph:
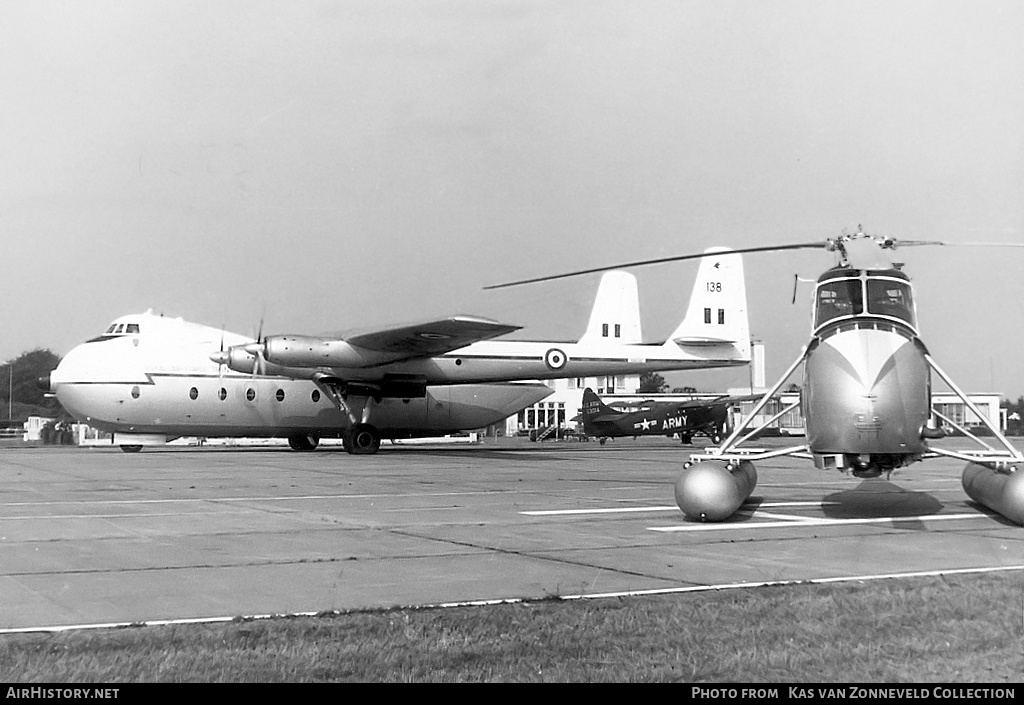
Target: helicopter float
(866, 391)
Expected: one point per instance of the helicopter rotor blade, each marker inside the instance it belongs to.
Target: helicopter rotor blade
(911, 243)
(677, 258)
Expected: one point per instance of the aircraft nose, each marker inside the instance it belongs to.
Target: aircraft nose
(44, 382)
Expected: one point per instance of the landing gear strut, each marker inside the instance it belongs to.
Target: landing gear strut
(361, 437)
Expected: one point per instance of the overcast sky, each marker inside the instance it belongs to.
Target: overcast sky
(343, 164)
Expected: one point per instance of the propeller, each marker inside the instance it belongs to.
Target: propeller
(259, 365)
(859, 251)
(221, 357)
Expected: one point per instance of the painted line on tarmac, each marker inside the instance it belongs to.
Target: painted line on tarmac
(672, 508)
(607, 510)
(810, 581)
(259, 498)
(518, 600)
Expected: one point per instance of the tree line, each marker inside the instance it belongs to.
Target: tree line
(20, 396)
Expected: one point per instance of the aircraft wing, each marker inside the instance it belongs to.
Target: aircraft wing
(429, 338)
(724, 400)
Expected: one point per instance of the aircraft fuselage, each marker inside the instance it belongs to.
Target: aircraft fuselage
(163, 382)
(494, 361)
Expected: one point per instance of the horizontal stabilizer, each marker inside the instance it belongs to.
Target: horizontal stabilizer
(703, 342)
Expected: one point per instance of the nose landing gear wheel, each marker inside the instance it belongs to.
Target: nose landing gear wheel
(362, 439)
(303, 441)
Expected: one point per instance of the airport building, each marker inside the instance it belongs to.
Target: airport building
(555, 415)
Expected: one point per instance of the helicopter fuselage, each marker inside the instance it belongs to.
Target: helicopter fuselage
(867, 385)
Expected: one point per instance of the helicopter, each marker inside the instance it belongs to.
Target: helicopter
(865, 394)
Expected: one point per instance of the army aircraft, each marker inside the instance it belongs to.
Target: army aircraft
(708, 417)
(866, 393)
(360, 371)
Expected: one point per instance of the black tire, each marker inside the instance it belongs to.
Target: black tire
(304, 441)
(130, 449)
(362, 439)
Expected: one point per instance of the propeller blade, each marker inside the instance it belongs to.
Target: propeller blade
(677, 258)
(220, 356)
(259, 364)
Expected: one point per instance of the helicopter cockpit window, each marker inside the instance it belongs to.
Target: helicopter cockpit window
(890, 298)
(838, 298)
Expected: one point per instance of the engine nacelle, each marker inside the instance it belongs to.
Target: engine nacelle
(999, 491)
(712, 490)
(311, 351)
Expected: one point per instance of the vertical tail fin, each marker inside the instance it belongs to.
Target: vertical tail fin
(592, 408)
(615, 317)
(718, 305)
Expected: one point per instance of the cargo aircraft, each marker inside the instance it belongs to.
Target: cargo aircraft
(686, 419)
(866, 390)
(361, 371)
(149, 379)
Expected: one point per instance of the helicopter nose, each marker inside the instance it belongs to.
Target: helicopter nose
(44, 382)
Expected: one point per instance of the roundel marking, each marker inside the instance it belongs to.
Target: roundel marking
(555, 359)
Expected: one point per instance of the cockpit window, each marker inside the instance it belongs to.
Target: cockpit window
(890, 298)
(122, 329)
(837, 298)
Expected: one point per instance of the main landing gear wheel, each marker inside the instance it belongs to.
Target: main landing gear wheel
(303, 441)
(130, 449)
(362, 439)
